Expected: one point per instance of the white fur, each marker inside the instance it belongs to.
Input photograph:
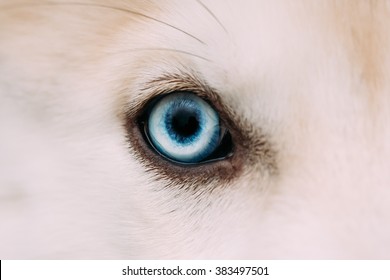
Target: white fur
(70, 187)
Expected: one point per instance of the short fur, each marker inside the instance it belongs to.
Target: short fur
(303, 86)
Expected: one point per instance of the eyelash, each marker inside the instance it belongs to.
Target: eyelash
(195, 175)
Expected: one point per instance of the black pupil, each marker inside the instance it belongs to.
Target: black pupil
(185, 123)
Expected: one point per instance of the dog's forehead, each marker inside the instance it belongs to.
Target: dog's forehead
(260, 45)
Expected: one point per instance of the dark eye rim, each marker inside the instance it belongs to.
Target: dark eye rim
(253, 147)
(224, 151)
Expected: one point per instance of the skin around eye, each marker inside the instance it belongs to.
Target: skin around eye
(233, 143)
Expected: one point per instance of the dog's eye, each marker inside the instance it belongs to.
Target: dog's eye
(184, 128)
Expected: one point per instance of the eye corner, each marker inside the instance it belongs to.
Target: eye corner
(243, 146)
(222, 165)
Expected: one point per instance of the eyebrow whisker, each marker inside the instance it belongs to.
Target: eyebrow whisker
(167, 50)
(212, 14)
(136, 13)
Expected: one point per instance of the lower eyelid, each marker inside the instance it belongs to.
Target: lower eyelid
(194, 176)
(163, 170)
(251, 149)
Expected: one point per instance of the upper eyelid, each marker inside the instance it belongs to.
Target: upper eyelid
(170, 82)
(253, 147)
(180, 82)
(155, 78)
(195, 175)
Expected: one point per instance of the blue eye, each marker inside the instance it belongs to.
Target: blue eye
(184, 128)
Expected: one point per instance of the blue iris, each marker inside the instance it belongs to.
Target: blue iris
(184, 128)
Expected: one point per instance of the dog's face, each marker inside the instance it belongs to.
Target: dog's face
(298, 94)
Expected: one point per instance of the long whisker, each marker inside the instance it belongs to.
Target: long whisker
(108, 7)
(167, 50)
(212, 14)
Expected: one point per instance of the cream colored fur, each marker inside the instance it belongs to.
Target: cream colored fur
(313, 76)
